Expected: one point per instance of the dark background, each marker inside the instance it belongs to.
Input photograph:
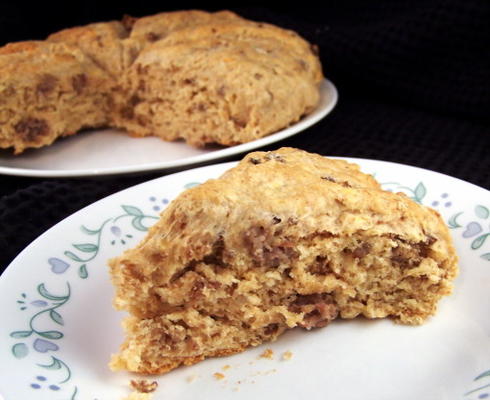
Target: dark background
(413, 79)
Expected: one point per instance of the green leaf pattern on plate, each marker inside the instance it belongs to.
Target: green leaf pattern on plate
(474, 229)
(57, 364)
(82, 252)
(482, 382)
(56, 317)
(20, 350)
(46, 339)
(20, 334)
(416, 193)
(477, 229)
(481, 212)
(478, 242)
(132, 210)
(82, 271)
(452, 222)
(86, 247)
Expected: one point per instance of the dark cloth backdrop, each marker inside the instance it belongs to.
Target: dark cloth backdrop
(413, 79)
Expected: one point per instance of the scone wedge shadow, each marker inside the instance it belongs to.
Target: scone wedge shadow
(285, 239)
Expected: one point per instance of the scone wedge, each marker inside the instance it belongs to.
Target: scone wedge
(285, 239)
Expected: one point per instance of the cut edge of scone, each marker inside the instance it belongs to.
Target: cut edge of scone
(285, 239)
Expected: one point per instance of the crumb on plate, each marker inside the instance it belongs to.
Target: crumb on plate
(144, 386)
(267, 353)
(287, 355)
(219, 376)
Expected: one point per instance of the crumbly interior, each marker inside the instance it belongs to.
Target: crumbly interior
(192, 75)
(286, 239)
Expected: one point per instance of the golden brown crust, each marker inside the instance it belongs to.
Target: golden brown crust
(284, 239)
(204, 77)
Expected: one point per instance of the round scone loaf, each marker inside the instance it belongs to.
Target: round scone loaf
(193, 75)
(285, 239)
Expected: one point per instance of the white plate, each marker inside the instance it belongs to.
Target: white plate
(58, 328)
(109, 151)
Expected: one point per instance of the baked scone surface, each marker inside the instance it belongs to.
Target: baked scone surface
(224, 83)
(284, 239)
(192, 75)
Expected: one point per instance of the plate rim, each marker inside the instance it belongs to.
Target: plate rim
(296, 128)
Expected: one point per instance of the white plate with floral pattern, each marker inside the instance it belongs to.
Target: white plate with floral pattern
(109, 151)
(58, 328)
